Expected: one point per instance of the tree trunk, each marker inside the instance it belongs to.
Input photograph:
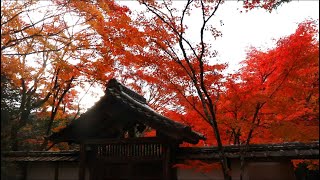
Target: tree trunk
(223, 158)
(55, 109)
(13, 138)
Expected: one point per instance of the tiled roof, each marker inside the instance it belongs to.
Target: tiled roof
(156, 120)
(21, 156)
(122, 105)
(292, 150)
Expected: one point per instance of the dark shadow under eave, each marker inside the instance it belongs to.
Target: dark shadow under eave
(119, 110)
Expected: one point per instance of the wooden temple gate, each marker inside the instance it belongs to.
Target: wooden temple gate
(105, 152)
(121, 113)
(127, 159)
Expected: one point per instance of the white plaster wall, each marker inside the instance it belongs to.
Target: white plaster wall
(11, 171)
(216, 174)
(253, 171)
(40, 171)
(270, 171)
(46, 170)
(191, 174)
(68, 171)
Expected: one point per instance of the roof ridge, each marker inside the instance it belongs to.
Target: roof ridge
(114, 84)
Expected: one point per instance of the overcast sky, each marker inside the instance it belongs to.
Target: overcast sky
(259, 28)
(256, 28)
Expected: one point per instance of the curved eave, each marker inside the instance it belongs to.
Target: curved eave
(132, 107)
(157, 121)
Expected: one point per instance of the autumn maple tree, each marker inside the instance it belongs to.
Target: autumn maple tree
(36, 57)
(154, 53)
(187, 73)
(274, 87)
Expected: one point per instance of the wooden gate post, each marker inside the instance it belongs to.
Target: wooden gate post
(82, 164)
(166, 162)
